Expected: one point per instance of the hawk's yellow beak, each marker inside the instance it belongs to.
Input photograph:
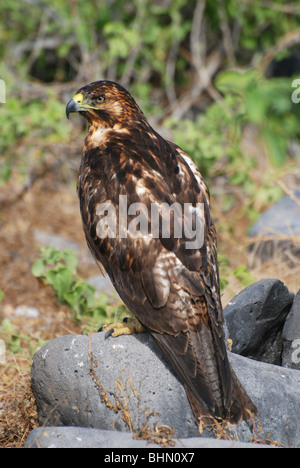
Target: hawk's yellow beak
(75, 104)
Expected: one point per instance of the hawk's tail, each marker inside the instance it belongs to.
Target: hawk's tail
(211, 385)
(241, 408)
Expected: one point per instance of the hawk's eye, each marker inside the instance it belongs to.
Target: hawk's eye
(101, 98)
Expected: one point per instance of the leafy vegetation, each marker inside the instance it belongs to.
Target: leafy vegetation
(15, 341)
(135, 41)
(154, 48)
(241, 273)
(58, 268)
(249, 100)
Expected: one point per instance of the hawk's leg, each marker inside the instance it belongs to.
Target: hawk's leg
(129, 326)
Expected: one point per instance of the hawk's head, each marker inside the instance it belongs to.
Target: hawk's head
(106, 102)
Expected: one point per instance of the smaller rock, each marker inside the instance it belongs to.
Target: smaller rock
(276, 232)
(26, 311)
(82, 437)
(44, 239)
(291, 337)
(103, 283)
(255, 318)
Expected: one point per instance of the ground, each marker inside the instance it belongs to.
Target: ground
(53, 211)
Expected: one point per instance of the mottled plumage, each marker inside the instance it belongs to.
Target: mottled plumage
(171, 289)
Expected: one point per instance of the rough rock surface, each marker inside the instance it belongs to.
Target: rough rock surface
(82, 437)
(129, 371)
(255, 319)
(129, 380)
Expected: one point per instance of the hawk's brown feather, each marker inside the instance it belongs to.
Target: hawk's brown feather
(172, 290)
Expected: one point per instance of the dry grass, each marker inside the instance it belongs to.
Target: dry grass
(225, 431)
(18, 414)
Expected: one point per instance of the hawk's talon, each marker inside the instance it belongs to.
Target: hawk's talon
(129, 326)
(108, 333)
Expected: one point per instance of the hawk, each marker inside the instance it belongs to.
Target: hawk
(167, 277)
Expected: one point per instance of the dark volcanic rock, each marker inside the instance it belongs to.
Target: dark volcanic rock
(255, 318)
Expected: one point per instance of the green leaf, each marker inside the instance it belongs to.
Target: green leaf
(276, 146)
(51, 254)
(244, 276)
(60, 279)
(233, 81)
(70, 259)
(7, 327)
(5, 173)
(256, 105)
(38, 268)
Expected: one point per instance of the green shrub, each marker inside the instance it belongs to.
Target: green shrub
(58, 268)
